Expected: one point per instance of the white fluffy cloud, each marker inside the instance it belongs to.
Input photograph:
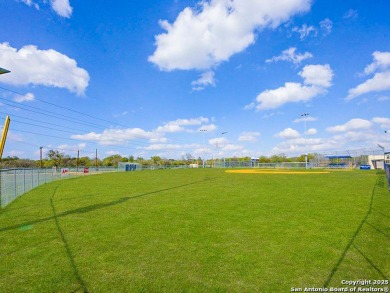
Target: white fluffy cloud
(384, 122)
(381, 61)
(318, 75)
(208, 128)
(139, 136)
(353, 134)
(249, 136)
(379, 82)
(179, 124)
(26, 98)
(311, 131)
(205, 79)
(288, 133)
(317, 78)
(202, 38)
(71, 148)
(290, 55)
(161, 146)
(62, 7)
(30, 65)
(117, 136)
(353, 124)
(218, 142)
(290, 92)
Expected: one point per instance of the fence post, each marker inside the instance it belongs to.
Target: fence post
(1, 188)
(24, 180)
(15, 183)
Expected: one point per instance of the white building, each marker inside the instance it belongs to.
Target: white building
(377, 161)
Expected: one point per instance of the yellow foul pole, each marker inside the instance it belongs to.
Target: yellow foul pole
(4, 135)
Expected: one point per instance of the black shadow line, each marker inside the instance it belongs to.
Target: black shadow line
(375, 228)
(67, 248)
(335, 268)
(371, 263)
(98, 206)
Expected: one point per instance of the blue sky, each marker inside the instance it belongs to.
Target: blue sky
(143, 78)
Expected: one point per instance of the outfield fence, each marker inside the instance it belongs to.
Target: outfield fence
(15, 182)
(387, 168)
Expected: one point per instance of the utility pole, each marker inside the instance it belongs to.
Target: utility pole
(304, 115)
(40, 156)
(77, 162)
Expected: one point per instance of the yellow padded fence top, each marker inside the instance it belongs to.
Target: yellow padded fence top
(260, 171)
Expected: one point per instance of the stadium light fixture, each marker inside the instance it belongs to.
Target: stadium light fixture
(304, 115)
(224, 164)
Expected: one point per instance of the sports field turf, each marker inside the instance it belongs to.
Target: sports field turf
(199, 230)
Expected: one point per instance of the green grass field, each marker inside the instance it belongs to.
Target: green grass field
(200, 230)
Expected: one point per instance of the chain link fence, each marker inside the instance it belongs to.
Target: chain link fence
(387, 169)
(15, 182)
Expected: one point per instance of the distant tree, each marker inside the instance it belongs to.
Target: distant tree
(15, 162)
(85, 161)
(279, 158)
(264, 159)
(55, 157)
(156, 160)
(112, 160)
(131, 159)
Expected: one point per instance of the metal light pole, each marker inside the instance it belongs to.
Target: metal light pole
(203, 131)
(224, 164)
(304, 115)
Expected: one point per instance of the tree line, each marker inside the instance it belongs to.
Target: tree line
(55, 158)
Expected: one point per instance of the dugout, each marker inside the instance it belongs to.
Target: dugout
(128, 166)
(339, 162)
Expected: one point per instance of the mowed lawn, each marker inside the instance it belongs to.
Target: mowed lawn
(199, 230)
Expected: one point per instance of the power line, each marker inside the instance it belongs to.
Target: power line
(65, 117)
(43, 122)
(62, 107)
(51, 114)
(73, 139)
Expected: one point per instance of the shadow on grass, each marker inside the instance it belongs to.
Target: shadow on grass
(379, 183)
(379, 212)
(378, 230)
(371, 263)
(67, 248)
(99, 206)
